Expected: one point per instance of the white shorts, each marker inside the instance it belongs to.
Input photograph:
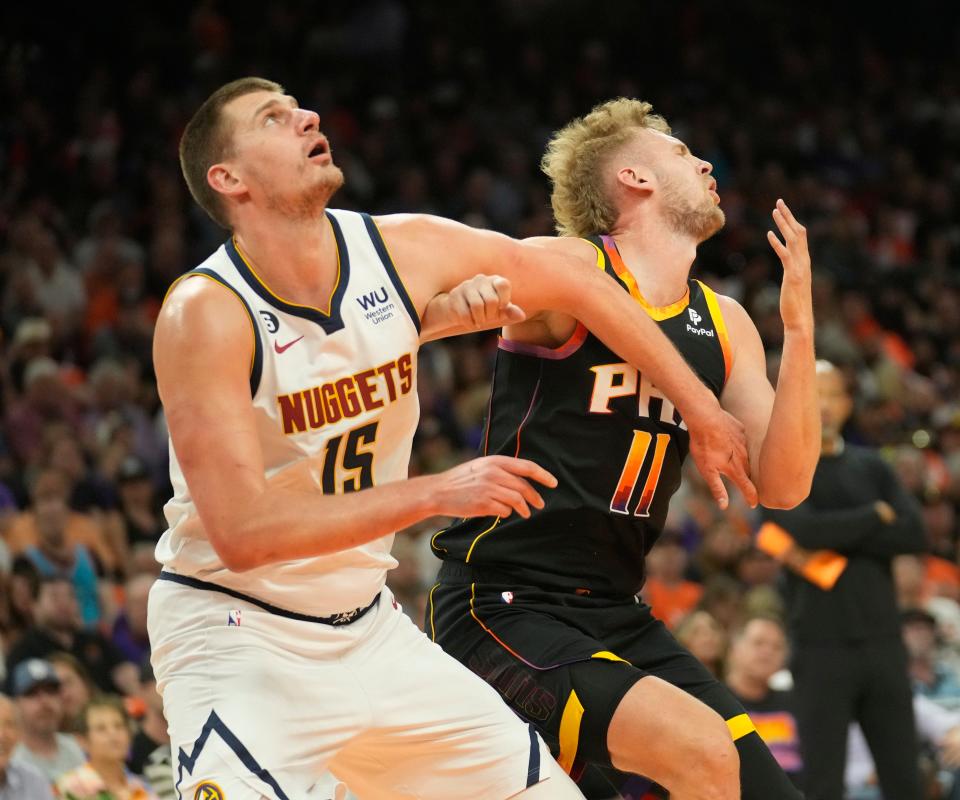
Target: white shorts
(262, 705)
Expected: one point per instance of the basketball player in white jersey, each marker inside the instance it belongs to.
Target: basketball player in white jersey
(277, 649)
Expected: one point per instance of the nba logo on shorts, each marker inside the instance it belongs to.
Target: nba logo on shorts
(233, 617)
(507, 597)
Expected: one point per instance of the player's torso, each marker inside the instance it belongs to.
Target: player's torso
(614, 442)
(337, 385)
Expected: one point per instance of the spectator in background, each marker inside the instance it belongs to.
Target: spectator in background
(76, 689)
(17, 593)
(50, 510)
(932, 677)
(58, 628)
(54, 552)
(141, 513)
(45, 400)
(670, 595)
(36, 687)
(18, 781)
(150, 755)
(758, 651)
(705, 638)
(130, 628)
(105, 730)
(849, 661)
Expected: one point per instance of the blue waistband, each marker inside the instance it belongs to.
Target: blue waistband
(341, 618)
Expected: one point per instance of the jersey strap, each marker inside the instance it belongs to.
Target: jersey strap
(717, 316)
(380, 246)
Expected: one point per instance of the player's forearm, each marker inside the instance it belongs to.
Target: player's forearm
(295, 520)
(791, 446)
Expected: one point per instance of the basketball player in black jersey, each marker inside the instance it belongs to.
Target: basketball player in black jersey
(545, 608)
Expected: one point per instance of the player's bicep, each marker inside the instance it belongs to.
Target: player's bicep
(747, 395)
(202, 352)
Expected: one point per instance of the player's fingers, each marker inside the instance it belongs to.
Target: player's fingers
(503, 288)
(528, 469)
(777, 245)
(491, 302)
(514, 500)
(791, 220)
(521, 486)
(717, 489)
(477, 306)
(512, 314)
(738, 474)
(789, 235)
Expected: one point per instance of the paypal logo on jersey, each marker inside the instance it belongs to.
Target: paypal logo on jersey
(377, 305)
(695, 318)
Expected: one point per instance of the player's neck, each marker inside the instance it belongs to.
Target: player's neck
(659, 259)
(297, 259)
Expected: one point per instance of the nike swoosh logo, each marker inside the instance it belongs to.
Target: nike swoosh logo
(281, 348)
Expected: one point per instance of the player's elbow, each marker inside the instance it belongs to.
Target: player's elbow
(235, 548)
(785, 494)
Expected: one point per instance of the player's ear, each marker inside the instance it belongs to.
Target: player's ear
(224, 180)
(636, 178)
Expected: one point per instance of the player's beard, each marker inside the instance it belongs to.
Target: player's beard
(308, 204)
(698, 221)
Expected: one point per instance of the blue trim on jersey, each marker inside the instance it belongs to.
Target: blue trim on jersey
(342, 618)
(214, 723)
(533, 766)
(391, 269)
(331, 323)
(256, 369)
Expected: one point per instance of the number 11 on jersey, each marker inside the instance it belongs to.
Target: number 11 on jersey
(630, 476)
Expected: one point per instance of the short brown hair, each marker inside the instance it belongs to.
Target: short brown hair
(205, 141)
(576, 156)
(110, 701)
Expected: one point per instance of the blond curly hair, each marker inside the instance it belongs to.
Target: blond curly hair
(575, 161)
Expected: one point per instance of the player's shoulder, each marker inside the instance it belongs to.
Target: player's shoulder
(571, 245)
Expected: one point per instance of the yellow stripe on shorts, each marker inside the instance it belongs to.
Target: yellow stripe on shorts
(570, 732)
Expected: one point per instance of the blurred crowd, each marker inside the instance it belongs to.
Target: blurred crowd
(446, 108)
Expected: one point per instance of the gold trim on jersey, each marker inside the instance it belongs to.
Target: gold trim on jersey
(658, 313)
(478, 538)
(275, 296)
(433, 630)
(740, 726)
(713, 306)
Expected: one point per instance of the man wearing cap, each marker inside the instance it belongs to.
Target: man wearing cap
(36, 688)
(931, 676)
(18, 781)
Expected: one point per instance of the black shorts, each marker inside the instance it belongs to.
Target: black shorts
(560, 660)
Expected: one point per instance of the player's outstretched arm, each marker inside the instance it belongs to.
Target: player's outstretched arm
(202, 352)
(559, 274)
(783, 427)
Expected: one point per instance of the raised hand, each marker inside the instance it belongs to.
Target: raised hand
(718, 446)
(480, 303)
(492, 486)
(796, 301)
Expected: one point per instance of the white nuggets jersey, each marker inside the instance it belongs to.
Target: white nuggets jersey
(336, 385)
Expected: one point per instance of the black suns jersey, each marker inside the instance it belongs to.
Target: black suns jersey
(614, 442)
